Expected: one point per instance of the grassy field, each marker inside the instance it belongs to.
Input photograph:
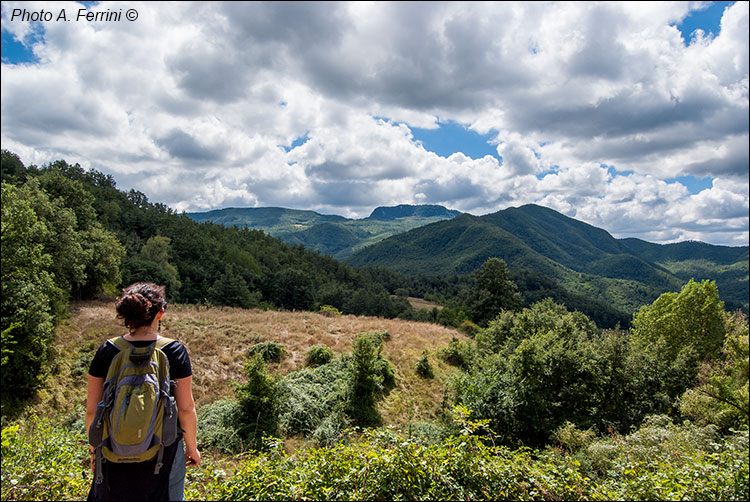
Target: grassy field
(421, 303)
(218, 339)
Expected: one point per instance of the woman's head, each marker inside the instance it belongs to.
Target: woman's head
(139, 304)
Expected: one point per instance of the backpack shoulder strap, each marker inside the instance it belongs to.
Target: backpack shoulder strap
(163, 342)
(120, 342)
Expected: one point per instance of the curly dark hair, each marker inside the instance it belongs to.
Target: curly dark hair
(139, 304)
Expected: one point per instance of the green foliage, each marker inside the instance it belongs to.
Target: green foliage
(219, 425)
(509, 328)
(660, 461)
(381, 465)
(370, 375)
(86, 243)
(469, 328)
(328, 310)
(374, 301)
(43, 461)
(493, 292)
(28, 297)
(312, 401)
(664, 461)
(151, 264)
(452, 316)
(11, 168)
(675, 321)
(268, 351)
(53, 248)
(572, 439)
(424, 369)
(232, 290)
(363, 382)
(259, 405)
(721, 397)
(458, 353)
(320, 402)
(541, 367)
(318, 355)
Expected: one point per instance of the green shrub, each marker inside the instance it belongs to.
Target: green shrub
(469, 328)
(329, 311)
(318, 355)
(458, 353)
(219, 426)
(331, 429)
(369, 376)
(259, 404)
(309, 396)
(572, 438)
(385, 373)
(377, 337)
(424, 369)
(269, 351)
(43, 461)
(428, 433)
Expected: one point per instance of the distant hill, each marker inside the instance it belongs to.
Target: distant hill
(409, 211)
(336, 236)
(586, 260)
(271, 219)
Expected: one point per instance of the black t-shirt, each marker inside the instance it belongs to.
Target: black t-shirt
(177, 355)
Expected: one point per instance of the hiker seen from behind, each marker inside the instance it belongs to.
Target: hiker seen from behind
(140, 412)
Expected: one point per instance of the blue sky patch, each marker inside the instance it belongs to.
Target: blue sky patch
(708, 20)
(297, 142)
(693, 184)
(612, 171)
(451, 137)
(14, 52)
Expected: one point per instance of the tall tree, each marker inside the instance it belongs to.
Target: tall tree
(492, 293)
(28, 292)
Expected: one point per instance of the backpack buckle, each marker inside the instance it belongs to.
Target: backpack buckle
(139, 357)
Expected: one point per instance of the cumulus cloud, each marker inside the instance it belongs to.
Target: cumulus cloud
(592, 107)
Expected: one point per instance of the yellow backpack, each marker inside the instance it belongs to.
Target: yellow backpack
(137, 416)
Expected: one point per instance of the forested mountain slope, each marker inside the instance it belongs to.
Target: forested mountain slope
(585, 259)
(333, 235)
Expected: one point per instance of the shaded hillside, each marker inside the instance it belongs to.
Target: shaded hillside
(586, 260)
(336, 236)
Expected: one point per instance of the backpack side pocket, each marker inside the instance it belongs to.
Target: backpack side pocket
(96, 429)
(169, 426)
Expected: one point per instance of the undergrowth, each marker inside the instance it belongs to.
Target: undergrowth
(42, 460)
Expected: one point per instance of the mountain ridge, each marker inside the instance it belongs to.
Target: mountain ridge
(587, 260)
(333, 235)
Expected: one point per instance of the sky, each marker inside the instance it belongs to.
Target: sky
(630, 116)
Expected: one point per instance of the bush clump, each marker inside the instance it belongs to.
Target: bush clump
(458, 353)
(219, 427)
(424, 369)
(329, 311)
(258, 404)
(318, 355)
(269, 351)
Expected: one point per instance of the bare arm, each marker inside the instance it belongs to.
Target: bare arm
(95, 391)
(94, 395)
(188, 418)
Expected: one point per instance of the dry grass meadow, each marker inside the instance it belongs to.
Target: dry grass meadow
(218, 339)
